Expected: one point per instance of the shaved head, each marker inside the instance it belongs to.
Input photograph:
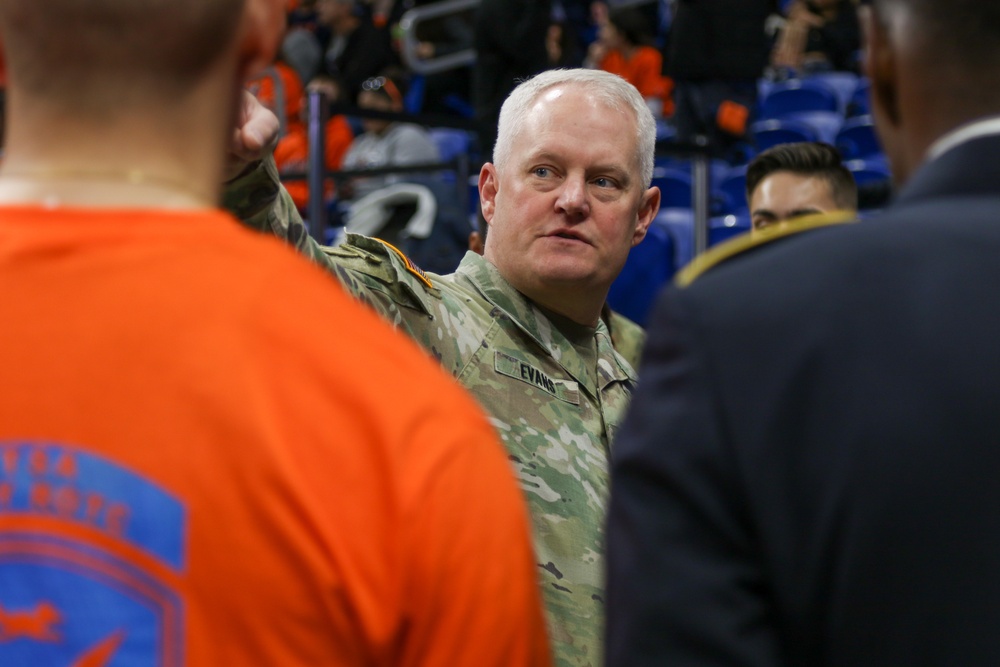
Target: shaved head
(87, 51)
(932, 68)
(962, 35)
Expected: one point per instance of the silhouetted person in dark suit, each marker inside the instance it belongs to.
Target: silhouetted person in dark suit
(809, 472)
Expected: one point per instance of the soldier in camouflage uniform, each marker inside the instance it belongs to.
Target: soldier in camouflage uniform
(521, 327)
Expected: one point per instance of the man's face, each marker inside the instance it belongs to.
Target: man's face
(783, 196)
(569, 205)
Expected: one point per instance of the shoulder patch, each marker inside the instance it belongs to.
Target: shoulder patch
(363, 263)
(746, 242)
(375, 252)
(411, 268)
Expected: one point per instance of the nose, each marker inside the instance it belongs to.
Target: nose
(573, 198)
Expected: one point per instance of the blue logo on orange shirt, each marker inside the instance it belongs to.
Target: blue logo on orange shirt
(91, 556)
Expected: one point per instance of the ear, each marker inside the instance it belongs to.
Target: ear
(263, 28)
(489, 185)
(881, 67)
(648, 208)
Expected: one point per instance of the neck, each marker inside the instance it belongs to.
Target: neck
(94, 187)
(151, 160)
(564, 301)
(584, 315)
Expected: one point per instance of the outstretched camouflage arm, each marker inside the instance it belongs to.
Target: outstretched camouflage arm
(257, 198)
(368, 269)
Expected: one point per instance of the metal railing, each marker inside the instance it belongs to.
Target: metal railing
(408, 25)
(410, 22)
(316, 172)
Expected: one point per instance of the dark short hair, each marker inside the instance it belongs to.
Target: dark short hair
(806, 158)
(106, 54)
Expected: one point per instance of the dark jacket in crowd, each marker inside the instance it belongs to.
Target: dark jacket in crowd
(719, 39)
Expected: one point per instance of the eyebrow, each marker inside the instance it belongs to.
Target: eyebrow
(797, 213)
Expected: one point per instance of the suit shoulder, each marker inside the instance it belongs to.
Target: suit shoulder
(746, 243)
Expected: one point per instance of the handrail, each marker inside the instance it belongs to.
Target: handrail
(316, 163)
(408, 37)
(316, 172)
(412, 18)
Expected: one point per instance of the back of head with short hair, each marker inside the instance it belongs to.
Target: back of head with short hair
(610, 89)
(99, 54)
(961, 34)
(806, 158)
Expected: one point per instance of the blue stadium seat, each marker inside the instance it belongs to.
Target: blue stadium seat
(798, 95)
(648, 267)
(680, 223)
(860, 102)
(764, 88)
(473, 195)
(842, 83)
(723, 228)
(459, 105)
(857, 138)
(664, 130)
(768, 133)
(413, 101)
(826, 123)
(734, 186)
(869, 171)
(675, 187)
(451, 143)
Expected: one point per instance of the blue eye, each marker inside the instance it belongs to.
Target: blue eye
(541, 171)
(603, 182)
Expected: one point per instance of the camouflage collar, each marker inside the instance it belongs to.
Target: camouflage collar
(486, 279)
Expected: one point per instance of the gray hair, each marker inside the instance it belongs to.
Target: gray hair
(610, 89)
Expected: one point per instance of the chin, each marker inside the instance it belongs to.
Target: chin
(577, 276)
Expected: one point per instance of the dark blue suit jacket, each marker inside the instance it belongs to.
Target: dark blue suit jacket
(810, 474)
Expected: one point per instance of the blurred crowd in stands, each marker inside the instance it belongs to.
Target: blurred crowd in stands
(738, 76)
(733, 76)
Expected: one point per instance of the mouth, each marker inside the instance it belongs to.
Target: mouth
(567, 234)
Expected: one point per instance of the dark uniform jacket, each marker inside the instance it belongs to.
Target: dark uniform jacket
(809, 475)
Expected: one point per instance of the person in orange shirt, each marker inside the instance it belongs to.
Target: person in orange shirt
(280, 89)
(622, 48)
(198, 465)
(291, 155)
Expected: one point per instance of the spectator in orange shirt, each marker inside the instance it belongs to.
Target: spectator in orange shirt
(291, 155)
(623, 48)
(210, 454)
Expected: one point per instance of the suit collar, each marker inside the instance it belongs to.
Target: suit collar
(970, 168)
(963, 133)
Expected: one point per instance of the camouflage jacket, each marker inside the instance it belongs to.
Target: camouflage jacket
(554, 419)
(627, 336)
